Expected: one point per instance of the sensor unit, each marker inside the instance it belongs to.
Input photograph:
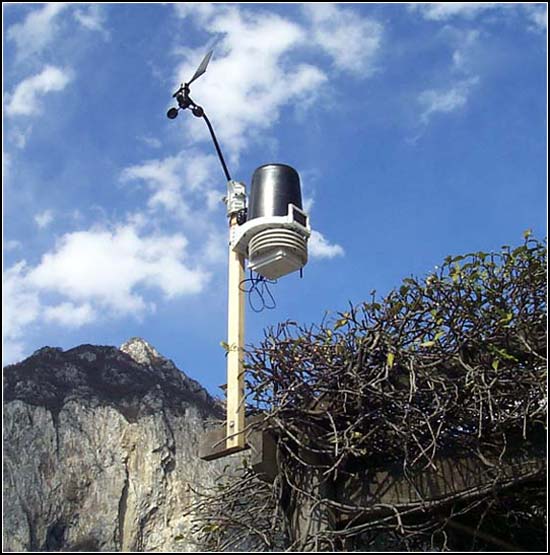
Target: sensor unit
(274, 237)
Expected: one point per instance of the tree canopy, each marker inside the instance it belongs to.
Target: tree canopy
(445, 372)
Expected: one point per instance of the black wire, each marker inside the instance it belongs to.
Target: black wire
(257, 287)
(218, 149)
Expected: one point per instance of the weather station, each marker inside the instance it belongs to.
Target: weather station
(270, 230)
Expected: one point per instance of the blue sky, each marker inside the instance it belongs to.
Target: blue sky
(419, 130)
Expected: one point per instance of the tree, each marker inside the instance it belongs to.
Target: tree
(417, 420)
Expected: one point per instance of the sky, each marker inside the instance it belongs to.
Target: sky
(418, 131)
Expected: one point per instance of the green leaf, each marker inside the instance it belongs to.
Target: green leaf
(390, 358)
(340, 323)
(427, 344)
(506, 356)
(502, 354)
(527, 233)
(209, 528)
(506, 318)
(495, 364)
(225, 346)
(454, 272)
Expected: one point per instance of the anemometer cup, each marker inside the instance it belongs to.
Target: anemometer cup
(197, 111)
(172, 113)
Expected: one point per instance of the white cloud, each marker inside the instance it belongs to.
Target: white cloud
(214, 199)
(42, 26)
(456, 84)
(250, 78)
(352, 41)
(319, 247)
(163, 177)
(309, 178)
(447, 10)
(12, 245)
(537, 14)
(7, 164)
(44, 219)
(178, 183)
(445, 100)
(92, 18)
(18, 135)
(38, 29)
(70, 315)
(215, 249)
(99, 272)
(21, 307)
(308, 202)
(111, 267)
(24, 101)
(12, 351)
(152, 142)
(202, 11)
(190, 188)
(258, 68)
(464, 50)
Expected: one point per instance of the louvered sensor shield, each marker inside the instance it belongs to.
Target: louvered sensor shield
(274, 237)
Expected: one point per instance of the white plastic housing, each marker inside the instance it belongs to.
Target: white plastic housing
(274, 245)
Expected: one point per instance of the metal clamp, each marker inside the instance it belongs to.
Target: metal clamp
(235, 200)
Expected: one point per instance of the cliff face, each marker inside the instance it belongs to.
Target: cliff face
(100, 450)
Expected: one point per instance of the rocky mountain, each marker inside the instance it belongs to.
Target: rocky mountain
(100, 450)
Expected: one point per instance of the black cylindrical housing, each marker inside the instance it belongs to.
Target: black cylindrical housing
(274, 186)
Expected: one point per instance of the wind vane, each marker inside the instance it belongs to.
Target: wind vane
(271, 230)
(185, 101)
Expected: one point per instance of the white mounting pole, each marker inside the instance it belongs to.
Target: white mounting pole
(235, 439)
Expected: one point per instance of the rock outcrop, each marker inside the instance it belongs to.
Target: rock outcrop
(100, 450)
